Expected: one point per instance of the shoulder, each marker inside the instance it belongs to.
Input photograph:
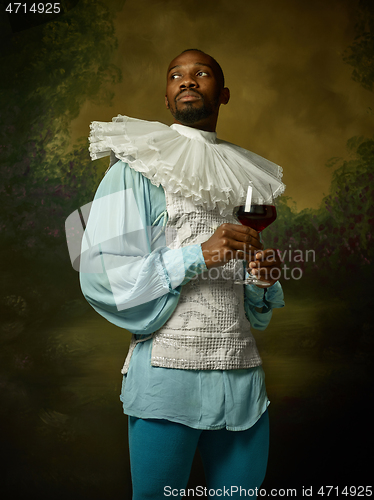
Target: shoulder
(121, 177)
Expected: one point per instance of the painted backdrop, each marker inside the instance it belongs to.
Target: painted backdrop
(301, 80)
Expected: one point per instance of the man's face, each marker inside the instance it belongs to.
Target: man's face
(194, 91)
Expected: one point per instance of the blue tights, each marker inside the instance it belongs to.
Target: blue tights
(161, 455)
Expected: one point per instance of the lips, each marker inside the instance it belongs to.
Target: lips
(188, 96)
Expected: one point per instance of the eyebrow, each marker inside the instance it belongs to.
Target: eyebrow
(196, 64)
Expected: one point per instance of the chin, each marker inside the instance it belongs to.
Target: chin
(191, 115)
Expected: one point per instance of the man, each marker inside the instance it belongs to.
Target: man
(193, 376)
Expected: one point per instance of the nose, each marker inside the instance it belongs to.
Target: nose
(188, 82)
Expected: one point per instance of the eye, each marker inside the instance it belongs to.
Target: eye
(175, 76)
(202, 73)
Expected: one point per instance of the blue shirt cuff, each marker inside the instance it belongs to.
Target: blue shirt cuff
(273, 297)
(194, 262)
(183, 264)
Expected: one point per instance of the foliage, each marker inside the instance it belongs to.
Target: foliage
(341, 231)
(55, 68)
(360, 53)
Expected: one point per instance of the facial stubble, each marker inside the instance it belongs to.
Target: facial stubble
(191, 114)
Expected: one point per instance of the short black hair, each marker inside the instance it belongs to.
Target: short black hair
(220, 75)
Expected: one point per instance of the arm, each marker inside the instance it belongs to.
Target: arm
(130, 281)
(259, 300)
(259, 304)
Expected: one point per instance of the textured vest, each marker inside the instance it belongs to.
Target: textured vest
(208, 329)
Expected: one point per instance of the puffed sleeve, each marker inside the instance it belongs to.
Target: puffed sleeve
(127, 273)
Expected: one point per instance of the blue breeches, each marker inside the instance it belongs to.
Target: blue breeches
(161, 455)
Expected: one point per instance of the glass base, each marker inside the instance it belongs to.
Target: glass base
(251, 281)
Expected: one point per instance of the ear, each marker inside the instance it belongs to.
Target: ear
(167, 102)
(225, 96)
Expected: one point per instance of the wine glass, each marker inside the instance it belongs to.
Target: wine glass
(258, 213)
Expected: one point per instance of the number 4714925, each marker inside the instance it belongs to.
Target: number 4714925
(36, 8)
(348, 491)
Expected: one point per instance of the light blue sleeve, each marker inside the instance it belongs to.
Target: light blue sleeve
(259, 304)
(127, 272)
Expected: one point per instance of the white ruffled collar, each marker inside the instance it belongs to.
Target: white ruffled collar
(189, 161)
(195, 133)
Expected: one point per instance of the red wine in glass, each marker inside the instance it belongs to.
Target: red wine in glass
(259, 217)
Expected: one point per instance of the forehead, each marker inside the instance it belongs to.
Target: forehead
(193, 58)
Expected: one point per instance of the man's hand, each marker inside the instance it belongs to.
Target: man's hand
(231, 241)
(267, 266)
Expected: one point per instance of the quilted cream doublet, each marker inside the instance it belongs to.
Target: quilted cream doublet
(209, 329)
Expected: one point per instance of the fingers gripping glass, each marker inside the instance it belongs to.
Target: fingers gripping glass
(258, 213)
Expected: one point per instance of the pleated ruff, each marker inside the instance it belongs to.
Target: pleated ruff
(192, 162)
